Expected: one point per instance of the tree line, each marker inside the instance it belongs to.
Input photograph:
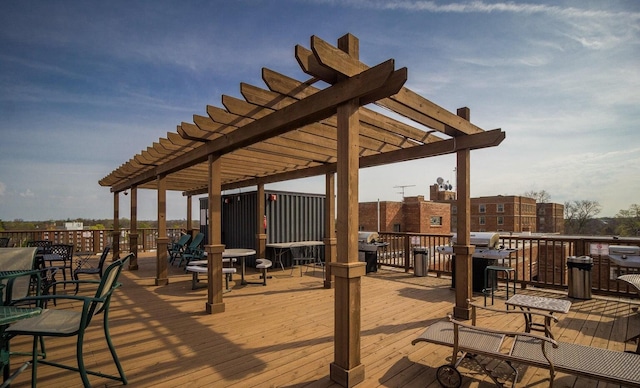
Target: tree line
(580, 217)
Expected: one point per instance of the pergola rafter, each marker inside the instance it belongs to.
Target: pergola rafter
(296, 129)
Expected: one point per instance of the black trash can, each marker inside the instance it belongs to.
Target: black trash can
(579, 271)
(478, 265)
(420, 261)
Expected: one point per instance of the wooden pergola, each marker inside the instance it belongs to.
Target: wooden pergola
(295, 129)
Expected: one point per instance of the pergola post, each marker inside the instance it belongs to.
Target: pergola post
(115, 249)
(330, 240)
(189, 227)
(261, 235)
(162, 241)
(347, 369)
(215, 248)
(462, 249)
(133, 232)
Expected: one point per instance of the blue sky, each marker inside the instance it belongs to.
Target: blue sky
(85, 85)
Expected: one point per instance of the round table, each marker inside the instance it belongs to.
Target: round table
(233, 253)
(242, 254)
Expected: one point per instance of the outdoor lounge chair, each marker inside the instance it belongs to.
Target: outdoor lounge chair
(191, 248)
(70, 323)
(471, 341)
(177, 248)
(92, 271)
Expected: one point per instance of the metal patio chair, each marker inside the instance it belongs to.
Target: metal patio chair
(70, 323)
(302, 255)
(92, 271)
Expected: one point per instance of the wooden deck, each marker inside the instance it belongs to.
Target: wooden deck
(281, 335)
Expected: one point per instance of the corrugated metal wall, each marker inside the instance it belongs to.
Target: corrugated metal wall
(290, 217)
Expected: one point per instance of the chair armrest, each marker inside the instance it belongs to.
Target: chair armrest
(483, 329)
(475, 306)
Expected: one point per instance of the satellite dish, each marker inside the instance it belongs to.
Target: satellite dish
(439, 180)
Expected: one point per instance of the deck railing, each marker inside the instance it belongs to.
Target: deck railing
(541, 261)
(89, 240)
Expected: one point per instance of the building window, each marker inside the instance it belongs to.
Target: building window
(436, 221)
(454, 209)
(541, 219)
(482, 208)
(500, 208)
(482, 221)
(396, 228)
(500, 220)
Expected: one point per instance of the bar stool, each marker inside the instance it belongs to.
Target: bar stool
(491, 280)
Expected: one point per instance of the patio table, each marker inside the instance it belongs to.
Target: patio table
(280, 249)
(242, 254)
(548, 305)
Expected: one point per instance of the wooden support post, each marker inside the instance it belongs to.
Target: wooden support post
(133, 233)
(215, 247)
(329, 228)
(463, 249)
(162, 241)
(261, 235)
(115, 249)
(189, 216)
(347, 369)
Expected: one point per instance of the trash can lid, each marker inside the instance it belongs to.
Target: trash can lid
(420, 249)
(580, 259)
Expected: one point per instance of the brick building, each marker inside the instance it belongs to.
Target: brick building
(550, 218)
(506, 213)
(413, 214)
(503, 213)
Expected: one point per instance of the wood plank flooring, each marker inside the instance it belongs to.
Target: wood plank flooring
(281, 335)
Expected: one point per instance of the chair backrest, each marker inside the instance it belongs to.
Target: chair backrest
(4, 242)
(103, 258)
(184, 240)
(108, 283)
(64, 250)
(197, 240)
(44, 245)
(12, 259)
(298, 251)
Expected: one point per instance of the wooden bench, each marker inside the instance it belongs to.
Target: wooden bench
(529, 349)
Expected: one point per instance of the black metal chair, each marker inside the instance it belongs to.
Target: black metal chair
(44, 246)
(65, 253)
(92, 271)
(72, 323)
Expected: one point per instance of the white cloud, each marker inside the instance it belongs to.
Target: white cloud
(28, 194)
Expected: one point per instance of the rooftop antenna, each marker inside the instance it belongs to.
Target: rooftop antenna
(402, 187)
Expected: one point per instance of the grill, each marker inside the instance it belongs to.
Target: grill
(368, 245)
(486, 246)
(369, 242)
(486, 253)
(625, 255)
